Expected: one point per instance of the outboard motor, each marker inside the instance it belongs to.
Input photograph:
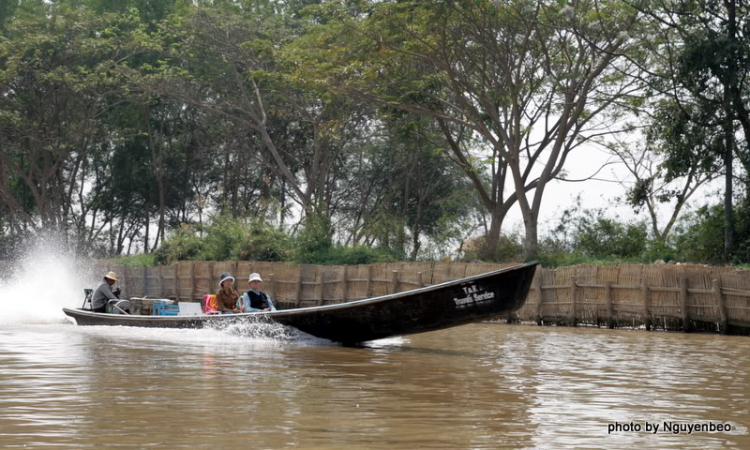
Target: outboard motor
(87, 298)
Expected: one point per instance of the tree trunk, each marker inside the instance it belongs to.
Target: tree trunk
(147, 219)
(729, 136)
(728, 161)
(162, 207)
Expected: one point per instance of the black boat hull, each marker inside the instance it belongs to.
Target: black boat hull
(471, 299)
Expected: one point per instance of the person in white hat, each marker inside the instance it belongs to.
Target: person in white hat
(104, 293)
(226, 297)
(256, 300)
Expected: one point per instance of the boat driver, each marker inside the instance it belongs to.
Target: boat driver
(256, 300)
(104, 294)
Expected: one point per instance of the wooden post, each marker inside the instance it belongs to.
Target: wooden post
(319, 285)
(123, 280)
(211, 287)
(145, 281)
(394, 281)
(573, 305)
(610, 305)
(684, 303)
(722, 306)
(177, 281)
(420, 279)
(345, 285)
(299, 287)
(368, 286)
(646, 306)
(272, 286)
(161, 281)
(193, 284)
(539, 297)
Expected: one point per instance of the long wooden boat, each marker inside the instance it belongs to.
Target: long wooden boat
(445, 305)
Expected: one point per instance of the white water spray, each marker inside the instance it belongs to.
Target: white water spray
(46, 278)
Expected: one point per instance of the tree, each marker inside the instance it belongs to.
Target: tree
(655, 180)
(529, 82)
(228, 65)
(701, 64)
(58, 77)
(401, 188)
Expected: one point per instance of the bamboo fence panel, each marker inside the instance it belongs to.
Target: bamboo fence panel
(382, 276)
(736, 299)
(204, 282)
(332, 287)
(446, 271)
(308, 288)
(587, 305)
(480, 268)
(628, 302)
(607, 276)
(359, 282)
(564, 303)
(549, 296)
(411, 278)
(667, 303)
(532, 307)
(701, 304)
(286, 281)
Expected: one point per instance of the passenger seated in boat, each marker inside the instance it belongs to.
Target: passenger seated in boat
(226, 297)
(104, 295)
(255, 299)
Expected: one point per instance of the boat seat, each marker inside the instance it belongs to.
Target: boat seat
(162, 309)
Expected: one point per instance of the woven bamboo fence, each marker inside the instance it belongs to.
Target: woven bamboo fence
(668, 297)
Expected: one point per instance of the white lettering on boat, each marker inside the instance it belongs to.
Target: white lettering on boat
(473, 296)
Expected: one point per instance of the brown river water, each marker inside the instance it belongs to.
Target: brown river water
(483, 386)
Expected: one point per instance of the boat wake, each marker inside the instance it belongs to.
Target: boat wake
(265, 329)
(260, 329)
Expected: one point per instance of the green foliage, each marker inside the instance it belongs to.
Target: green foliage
(222, 239)
(509, 248)
(609, 238)
(315, 238)
(699, 237)
(263, 242)
(182, 245)
(233, 239)
(138, 260)
(226, 239)
(563, 259)
(588, 236)
(360, 254)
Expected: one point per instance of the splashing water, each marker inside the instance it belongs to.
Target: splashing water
(262, 328)
(46, 278)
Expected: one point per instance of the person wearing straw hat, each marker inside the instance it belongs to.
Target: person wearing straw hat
(104, 293)
(256, 300)
(226, 297)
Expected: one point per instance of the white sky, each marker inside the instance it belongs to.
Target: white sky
(595, 193)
